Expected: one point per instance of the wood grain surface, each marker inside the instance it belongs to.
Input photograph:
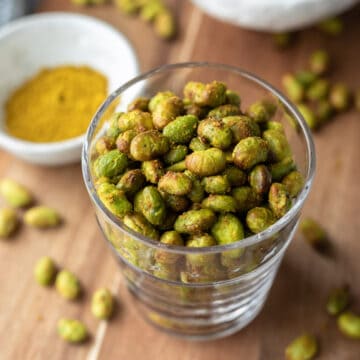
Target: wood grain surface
(28, 313)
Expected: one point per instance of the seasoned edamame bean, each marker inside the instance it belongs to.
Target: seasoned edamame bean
(102, 304)
(218, 184)
(223, 111)
(259, 219)
(175, 183)
(242, 127)
(319, 62)
(124, 139)
(279, 199)
(153, 170)
(110, 164)
(212, 94)
(314, 234)
(166, 111)
(45, 271)
(250, 151)
(279, 147)
(139, 224)
(131, 182)
(136, 119)
(195, 221)
(215, 133)
(150, 203)
(72, 331)
(206, 162)
(114, 199)
(245, 198)
(8, 222)
(262, 110)
(293, 182)
(182, 129)
(260, 179)
(176, 154)
(15, 194)
(67, 285)
(149, 145)
(349, 324)
(338, 300)
(235, 176)
(304, 347)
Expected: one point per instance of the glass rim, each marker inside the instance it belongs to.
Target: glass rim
(243, 243)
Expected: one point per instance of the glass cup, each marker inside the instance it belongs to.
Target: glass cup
(211, 292)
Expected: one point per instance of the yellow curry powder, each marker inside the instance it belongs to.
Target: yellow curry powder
(57, 104)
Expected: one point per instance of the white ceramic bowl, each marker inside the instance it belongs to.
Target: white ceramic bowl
(53, 39)
(273, 15)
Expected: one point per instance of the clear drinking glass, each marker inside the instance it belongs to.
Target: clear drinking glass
(201, 293)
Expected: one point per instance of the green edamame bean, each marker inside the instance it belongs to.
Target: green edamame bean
(72, 331)
(282, 168)
(319, 62)
(182, 129)
(220, 203)
(124, 139)
(250, 151)
(67, 285)
(206, 162)
(212, 94)
(176, 154)
(304, 347)
(139, 224)
(153, 170)
(294, 89)
(293, 182)
(114, 199)
(279, 199)
(45, 271)
(235, 176)
(223, 111)
(149, 145)
(195, 221)
(166, 111)
(150, 203)
(227, 229)
(241, 127)
(131, 182)
(245, 198)
(279, 147)
(262, 110)
(110, 164)
(259, 219)
(136, 119)
(349, 325)
(232, 98)
(169, 238)
(260, 179)
(215, 132)
(140, 103)
(175, 183)
(102, 304)
(338, 300)
(218, 184)
(196, 144)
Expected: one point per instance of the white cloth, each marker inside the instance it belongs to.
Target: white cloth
(273, 15)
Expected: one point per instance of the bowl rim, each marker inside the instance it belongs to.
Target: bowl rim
(245, 242)
(10, 142)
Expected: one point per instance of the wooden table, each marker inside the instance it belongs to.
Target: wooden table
(28, 313)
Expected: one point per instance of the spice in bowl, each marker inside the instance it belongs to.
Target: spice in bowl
(56, 104)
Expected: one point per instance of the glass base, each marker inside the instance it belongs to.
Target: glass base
(201, 327)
